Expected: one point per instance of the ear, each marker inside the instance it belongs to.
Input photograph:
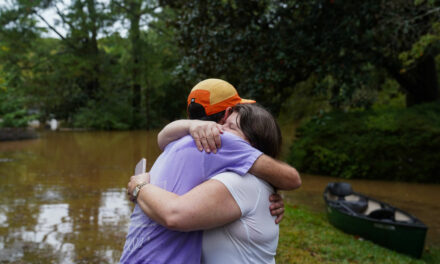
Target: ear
(228, 112)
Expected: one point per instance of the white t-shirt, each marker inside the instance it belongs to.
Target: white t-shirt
(251, 239)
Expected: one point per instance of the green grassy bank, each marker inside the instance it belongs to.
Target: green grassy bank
(307, 237)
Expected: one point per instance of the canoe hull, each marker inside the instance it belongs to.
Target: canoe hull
(371, 219)
(405, 239)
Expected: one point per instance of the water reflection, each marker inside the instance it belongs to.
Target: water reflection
(63, 195)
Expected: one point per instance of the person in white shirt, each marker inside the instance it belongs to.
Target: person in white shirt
(251, 239)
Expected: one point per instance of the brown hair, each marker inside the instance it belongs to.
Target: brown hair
(260, 128)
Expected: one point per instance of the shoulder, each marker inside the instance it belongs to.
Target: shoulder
(231, 143)
(227, 137)
(246, 190)
(237, 184)
(183, 142)
(229, 177)
(246, 181)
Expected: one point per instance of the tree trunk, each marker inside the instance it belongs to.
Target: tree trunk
(136, 55)
(92, 52)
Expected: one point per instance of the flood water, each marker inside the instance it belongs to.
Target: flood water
(63, 196)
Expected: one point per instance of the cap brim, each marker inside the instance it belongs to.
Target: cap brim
(247, 101)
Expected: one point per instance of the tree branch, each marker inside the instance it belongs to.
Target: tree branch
(50, 26)
(425, 14)
(63, 19)
(122, 6)
(55, 30)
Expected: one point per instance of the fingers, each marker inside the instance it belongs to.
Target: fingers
(273, 198)
(198, 144)
(200, 139)
(131, 184)
(130, 191)
(279, 213)
(213, 137)
(135, 181)
(279, 218)
(207, 136)
(276, 207)
(216, 131)
(212, 144)
(205, 144)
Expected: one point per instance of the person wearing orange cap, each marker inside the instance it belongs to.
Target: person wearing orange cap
(210, 98)
(210, 103)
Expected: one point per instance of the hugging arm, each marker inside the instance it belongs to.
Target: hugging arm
(206, 134)
(191, 211)
(281, 175)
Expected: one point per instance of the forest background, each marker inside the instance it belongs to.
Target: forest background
(360, 79)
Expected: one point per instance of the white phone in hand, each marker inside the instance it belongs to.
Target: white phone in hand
(141, 167)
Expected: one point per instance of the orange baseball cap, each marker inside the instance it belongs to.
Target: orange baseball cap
(215, 95)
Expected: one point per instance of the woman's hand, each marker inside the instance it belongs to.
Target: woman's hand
(276, 207)
(206, 135)
(135, 181)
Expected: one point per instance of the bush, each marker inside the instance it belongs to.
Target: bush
(391, 144)
(13, 111)
(106, 114)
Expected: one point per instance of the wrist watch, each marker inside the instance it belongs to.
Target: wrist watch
(137, 189)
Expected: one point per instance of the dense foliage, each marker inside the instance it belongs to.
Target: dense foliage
(393, 144)
(90, 75)
(267, 47)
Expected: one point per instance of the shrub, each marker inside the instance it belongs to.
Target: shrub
(391, 144)
(104, 115)
(13, 111)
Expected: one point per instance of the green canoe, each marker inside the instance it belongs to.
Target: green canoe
(385, 225)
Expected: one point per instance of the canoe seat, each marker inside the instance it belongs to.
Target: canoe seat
(372, 206)
(382, 214)
(402, 217)
(357, 206)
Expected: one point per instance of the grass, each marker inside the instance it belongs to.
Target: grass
(307, 237)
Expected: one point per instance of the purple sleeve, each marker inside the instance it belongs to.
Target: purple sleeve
(235, 155)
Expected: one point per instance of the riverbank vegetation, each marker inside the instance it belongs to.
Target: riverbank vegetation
(307, 237)
(387, 143)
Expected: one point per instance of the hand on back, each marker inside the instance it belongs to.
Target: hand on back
(277, 207)
(206, 135)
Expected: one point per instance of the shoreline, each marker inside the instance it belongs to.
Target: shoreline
(13, 133)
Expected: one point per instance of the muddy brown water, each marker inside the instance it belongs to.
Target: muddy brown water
(63, 196)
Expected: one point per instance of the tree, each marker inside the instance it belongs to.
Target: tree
(232, 40)
(401, 37)
(137, 11)
(266, 47)
(70, 71)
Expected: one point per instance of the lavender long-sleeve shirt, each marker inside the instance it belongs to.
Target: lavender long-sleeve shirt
(178, 169)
